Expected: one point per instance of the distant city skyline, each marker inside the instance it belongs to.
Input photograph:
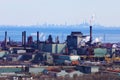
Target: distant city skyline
(32, 12)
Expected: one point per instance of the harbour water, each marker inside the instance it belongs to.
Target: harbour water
(15, 33)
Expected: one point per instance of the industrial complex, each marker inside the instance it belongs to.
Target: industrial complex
(78, 55)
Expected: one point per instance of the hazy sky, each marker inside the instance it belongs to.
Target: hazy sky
(28, 12)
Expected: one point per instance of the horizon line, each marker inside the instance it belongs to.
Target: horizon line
(48, 24)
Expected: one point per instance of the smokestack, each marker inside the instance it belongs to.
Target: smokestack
(5, 38)
(90, 34)
(9, 41)
(37, 38)
(24, 39)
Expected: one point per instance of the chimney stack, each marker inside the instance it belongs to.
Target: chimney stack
(37, 38)
(9, 40)
(24, 39)
(5, 38)
(90, 34)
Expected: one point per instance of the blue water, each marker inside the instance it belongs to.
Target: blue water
(15, 33)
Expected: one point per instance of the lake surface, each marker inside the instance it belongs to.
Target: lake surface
(15, 33)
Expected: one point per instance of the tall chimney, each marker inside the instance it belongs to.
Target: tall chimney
(90, 34)
(24, 39)
(9, 40)
(37, 38)
(5, 38)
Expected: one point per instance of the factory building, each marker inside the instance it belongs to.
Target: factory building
(74, 41)
(54, 48)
